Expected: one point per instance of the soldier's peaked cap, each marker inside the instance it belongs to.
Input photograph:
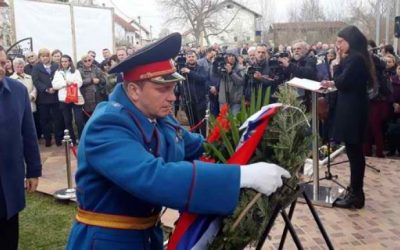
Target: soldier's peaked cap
(152, 62)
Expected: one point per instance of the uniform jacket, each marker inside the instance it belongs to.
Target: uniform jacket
(60, 83)
(351, 77)
(19, 151)
(129, 166)
(42, 81)
(27, 81)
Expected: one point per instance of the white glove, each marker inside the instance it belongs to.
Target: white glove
(263, 177)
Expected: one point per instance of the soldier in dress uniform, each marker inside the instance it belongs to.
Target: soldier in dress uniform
(134, 158)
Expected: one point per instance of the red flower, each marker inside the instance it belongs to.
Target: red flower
(221, 121)
(214, 135)
(207, 158)
(223, 110)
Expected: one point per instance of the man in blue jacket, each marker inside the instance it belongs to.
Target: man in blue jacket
(19, 154)
(134, 158)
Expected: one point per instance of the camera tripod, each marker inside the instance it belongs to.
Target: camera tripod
(377, 170)
(187, 100)
(287, 217)
(328, 174)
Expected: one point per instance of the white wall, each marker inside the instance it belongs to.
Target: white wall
(93, 29)
(122, 34)
(119, 31)
(242, 27)
(49, 25)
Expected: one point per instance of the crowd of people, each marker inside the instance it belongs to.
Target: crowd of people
(251, 67)
(215, 75)
(138, 118)
(47, 75)
(362, 113)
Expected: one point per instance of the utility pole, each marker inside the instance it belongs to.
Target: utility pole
(395, 39)
(387, 24)
(151, 34)
(378, 22)
(140, 31)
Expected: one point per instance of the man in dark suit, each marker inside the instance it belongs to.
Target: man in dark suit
(18, 147)
(195, 92)
(47, 100)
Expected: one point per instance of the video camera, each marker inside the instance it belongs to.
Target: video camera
(219, 63)
(281, 54)
(275, 65)
(180, 61)
(252, 69)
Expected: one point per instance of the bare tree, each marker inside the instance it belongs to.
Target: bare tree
(267, 8)
(364, 14)
(335, 10)
(164, 32)
(204, 18)
(308, 10)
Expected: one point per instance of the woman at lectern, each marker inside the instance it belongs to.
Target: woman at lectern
(353, 76)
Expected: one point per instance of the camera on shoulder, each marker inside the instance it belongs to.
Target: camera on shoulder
(281, 54)
(180, 60)
(252, 69)
(219, 63)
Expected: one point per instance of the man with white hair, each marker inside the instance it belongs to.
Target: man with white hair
(301, 65)
(31, 59)
(251, 55)
(25, 79)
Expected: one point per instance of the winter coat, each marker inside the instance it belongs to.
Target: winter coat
(351, 77)
(60, 81)
(27, 81)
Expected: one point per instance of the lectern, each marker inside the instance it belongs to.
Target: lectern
(322, 196)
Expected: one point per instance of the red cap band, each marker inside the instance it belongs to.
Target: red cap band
(150, 70)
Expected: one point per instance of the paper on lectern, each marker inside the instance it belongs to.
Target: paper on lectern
(305, 84)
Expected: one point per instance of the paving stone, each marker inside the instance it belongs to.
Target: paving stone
(374, 227)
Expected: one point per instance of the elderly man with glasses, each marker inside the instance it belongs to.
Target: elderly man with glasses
(31, 59)
(94, 85)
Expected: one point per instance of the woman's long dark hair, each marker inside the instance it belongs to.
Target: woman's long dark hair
(71, 63)
(358, 44)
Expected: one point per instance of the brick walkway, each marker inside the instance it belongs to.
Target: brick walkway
(374, 227)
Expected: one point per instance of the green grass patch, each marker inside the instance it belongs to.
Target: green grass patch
(45, 223)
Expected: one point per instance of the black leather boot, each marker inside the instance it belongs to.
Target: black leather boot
(351, 200)
(344, 194)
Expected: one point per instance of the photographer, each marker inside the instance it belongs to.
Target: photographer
(264, 73)
(231, 82)
(195, 91)
(212, 83)
(302, 65)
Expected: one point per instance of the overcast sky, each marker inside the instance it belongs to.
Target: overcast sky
(153, 14)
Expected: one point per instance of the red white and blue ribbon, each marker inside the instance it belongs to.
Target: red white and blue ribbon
(194, 231)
